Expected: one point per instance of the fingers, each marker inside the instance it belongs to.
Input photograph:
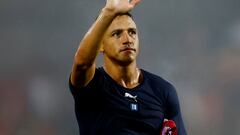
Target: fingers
(121, 6)
(134, 2)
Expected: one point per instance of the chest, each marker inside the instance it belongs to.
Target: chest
(141, 104)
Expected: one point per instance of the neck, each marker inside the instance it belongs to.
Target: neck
(127, 76)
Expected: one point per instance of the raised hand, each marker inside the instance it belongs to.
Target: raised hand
(120, 6)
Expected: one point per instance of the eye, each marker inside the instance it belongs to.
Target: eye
(132, 32)
(116, 33)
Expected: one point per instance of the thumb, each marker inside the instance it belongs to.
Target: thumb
(133, 3)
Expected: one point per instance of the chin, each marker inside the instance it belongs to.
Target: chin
(125, 62)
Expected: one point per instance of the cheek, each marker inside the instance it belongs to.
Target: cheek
(108, 48)
(137, 43)
(110, 45)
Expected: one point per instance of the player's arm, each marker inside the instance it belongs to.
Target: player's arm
(84, 61)
(173, 111)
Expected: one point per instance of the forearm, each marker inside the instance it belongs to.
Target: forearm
(90, 45)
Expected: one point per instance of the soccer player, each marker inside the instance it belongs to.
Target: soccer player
(119, 98)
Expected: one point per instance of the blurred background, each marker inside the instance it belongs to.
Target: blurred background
(195, 44)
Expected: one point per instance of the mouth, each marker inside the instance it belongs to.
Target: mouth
(127, 49)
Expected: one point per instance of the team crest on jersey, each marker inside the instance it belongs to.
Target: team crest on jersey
(134, 107)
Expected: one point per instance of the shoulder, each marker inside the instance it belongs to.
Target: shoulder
(159, 85)
(162, 88)
(96, 80)
(157, 80)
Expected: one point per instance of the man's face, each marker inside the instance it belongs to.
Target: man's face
(120, 42)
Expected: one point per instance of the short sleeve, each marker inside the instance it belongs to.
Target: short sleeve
(85, 96)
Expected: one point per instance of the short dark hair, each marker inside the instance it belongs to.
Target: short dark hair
(127, 13)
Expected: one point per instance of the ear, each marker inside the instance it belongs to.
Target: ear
(101, 48)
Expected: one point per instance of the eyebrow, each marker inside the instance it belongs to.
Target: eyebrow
(117, 30)
(134, 29)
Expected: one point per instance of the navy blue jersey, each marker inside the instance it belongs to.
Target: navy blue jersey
(104, 107)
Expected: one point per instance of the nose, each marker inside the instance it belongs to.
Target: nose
(126, 38)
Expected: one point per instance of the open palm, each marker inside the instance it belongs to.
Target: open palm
(121, 6)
